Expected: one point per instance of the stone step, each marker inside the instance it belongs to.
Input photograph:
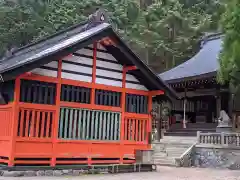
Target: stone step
(174, 154)
(189, 126)
(178, 138)
(165, 161)
(175, 151)
(193, 130)
(180, 144)
(169, 153)
(160, 157)
(159, 146)
(159, 151)
(195, 125)
(159, 154)
(170, 148)
(165, 139)
(191, 134)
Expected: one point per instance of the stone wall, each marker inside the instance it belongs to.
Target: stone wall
(212, 156)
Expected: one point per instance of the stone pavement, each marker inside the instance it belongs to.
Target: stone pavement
(164, 173)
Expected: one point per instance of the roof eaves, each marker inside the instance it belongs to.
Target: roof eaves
(192, 78)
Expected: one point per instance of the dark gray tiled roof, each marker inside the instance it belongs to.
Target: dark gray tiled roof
(204, 62)
(49, 46)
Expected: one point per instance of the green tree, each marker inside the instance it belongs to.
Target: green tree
(172, 31)
(24, 21)
(230, 57)
(158, 30)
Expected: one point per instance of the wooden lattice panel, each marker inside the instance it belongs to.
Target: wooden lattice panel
(85, 124)
(37, 92)
(75, 94)
(136, 104)
(107, 98)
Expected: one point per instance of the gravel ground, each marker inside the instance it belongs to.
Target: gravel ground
(163, 173)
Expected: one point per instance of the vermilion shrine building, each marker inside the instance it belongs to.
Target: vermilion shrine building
(80, 96)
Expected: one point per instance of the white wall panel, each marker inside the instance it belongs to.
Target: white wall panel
(109, 74)
(105, 56)
(88, 70)
(53, 64)
(78, 59)
(45, 72)
(76, 77)
(135, 86)
(87, 52)
(109, 65)
(108, 82)
(130, 77)
(76, 68)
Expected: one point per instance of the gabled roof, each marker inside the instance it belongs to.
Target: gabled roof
(203, 64)
(68, 41)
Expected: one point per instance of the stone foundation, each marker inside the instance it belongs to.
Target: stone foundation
(30, 173)
(124, 168)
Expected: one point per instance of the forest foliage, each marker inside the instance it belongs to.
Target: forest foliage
(230, 56)
(163, 32)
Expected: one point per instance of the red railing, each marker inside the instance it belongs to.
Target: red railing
(6, 120)
(135, 129)
(34, 134)
(34, 123)
(6, 116)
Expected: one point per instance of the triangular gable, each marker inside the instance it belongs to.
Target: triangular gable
(78, 66)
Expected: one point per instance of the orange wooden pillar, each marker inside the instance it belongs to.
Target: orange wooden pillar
(57, 113)
(94, 69)
(149, 129)
(123, 99)
(93, 89)
(14, 120)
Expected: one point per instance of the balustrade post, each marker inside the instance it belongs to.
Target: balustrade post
(222, 138)
(198, 137)
(237, 141)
